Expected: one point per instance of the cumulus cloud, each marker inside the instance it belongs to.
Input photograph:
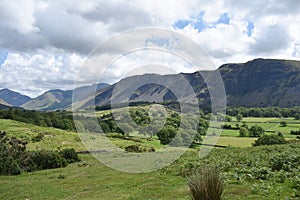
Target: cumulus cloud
(32, 74)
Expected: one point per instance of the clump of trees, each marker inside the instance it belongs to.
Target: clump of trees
(269, 140)
(253, 131)
(297, 132)
(135, 148)
(58, 119)
(174, 131)
(264, 112)
(14, 158)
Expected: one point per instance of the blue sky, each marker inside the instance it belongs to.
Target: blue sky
(3, 56)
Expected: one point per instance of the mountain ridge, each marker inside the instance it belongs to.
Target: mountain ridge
(256, 83)
(11, 98)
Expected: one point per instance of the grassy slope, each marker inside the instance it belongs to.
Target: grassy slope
(53, 139)
(96, 181)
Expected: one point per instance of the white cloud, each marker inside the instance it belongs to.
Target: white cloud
(48, 40)
(33, 74)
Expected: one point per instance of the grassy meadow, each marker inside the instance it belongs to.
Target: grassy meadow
(248, 171)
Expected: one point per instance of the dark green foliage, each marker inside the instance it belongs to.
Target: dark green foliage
(38, 138)
(297, 116)
(269, 140)
(138, 149)
(295, 132)
(256, 131)
(58, 119)
(283, 123)
(228, 118)
(285, 162)
(45, 159)
(264, 112)
(70, 155)
(140, 116)
(239, 117)
(9, 166)
(12, 155)
(14, 158)
(206, 184)
(228, 126)
(243, 132)
(166, 135)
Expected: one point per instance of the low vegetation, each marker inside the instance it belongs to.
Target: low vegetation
(15, 159)
(266, 168)
(206, 184)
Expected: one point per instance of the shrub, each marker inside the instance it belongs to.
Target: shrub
(206, 184)
(256, 131)
(284, 162)
(283, 123)
(45, 159)
(262, 173)
(243, 132)
(12, 155)
(70, 155)
(166, 134)
(9, 166)
(295, 132)
(269, 140)
(138, 149)
(38, 138)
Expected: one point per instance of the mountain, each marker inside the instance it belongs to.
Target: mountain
(59, 99)
(11, 98)
(260, 82)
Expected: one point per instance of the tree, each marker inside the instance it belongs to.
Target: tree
(297, 116)
(166, 134)
(243, 132)
(239, 117)
(256, 131)
(283, 123)
(228, 118)
(269, 140)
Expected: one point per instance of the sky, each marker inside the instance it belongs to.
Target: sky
(43, 44)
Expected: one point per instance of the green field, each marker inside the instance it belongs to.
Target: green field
(240, 165)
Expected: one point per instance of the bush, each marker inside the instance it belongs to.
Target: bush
(284, 162)
(295, 132)
(9, 166)
(70, 155)
(256, 131)
(206, 184)
(14, 158)
(283, 123)
(269, 140)
(243, 132)
(138, 149)
(38, 138)
(166, 134)
(45, 159)
(12, 155)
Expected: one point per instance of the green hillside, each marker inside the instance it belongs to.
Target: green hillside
(53, 138)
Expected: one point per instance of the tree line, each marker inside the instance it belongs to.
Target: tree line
(58, 119)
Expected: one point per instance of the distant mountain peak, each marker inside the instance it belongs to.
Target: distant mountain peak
(13, 98)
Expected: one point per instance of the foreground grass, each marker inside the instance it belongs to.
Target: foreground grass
(241, 168)
(92, 181)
